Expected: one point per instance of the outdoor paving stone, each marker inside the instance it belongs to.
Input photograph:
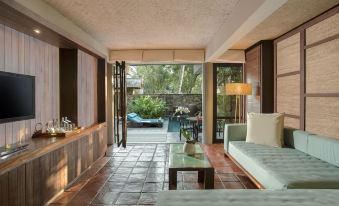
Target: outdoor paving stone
(132, 159)
(124, 170)
(128, 199)
(140, 170)
(155, 177)
(114, 186)
(106, 198)
(119, 159)
(145, 154)
(137, 178)
(148, 198)
(133, 187)
(121, 154)
(152, 187)
(145, 158)
(159, 159)
(157, 164)
(142, 164)
(156, 170)
(128, 164)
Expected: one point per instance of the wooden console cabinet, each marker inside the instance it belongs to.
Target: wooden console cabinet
(49, 165)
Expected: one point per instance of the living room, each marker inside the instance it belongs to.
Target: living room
(268, 132)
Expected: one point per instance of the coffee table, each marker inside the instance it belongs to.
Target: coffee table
(179, 161)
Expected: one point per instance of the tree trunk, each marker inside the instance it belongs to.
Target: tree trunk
(181, 78)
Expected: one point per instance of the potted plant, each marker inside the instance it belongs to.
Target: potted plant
(189, 145)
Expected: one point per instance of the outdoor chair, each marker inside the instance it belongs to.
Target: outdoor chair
(138, 121)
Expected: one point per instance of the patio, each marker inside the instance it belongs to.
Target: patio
(169, 133)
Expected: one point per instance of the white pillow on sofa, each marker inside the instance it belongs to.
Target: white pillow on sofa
(265, 129)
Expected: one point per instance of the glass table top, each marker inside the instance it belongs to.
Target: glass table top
(178, 159)
(178, 148)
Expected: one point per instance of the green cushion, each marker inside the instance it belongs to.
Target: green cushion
(238, 197)
(296, 139)
(326, 149)
(234, 132)
(280, 168)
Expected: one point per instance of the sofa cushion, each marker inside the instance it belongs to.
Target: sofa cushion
(238, 197)
(279, 168)
(265, 129)
(296, 139)
(326, 149)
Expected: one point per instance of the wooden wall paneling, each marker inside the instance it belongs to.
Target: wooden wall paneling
(288, 94)
(323, 30)
(2, 68)
(291, 122)
(4, 193)
(252, 67)
(87, 86)
(13, 187)
(95, 90)
(322, 116)
(32, 69)
(2, 47)
(29, 176)
(8, 67)
(322, 65)
(36, 182)
(16, 186)
(90, 149)
(288, 55)
(27, 70)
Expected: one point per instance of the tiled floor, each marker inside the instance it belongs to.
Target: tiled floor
(134, 176)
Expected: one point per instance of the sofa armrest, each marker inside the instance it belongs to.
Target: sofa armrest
(234, 132)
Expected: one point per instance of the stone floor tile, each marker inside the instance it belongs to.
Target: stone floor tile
(147, 198)
(128, 199)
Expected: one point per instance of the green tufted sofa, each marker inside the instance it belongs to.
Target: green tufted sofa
(306, 162)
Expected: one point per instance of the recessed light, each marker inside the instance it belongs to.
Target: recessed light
(37, 31)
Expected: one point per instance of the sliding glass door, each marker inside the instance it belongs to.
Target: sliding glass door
(224, 105)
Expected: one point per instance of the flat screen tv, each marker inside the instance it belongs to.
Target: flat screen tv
(17, 97)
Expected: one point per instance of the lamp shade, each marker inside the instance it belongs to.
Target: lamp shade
(238, 89)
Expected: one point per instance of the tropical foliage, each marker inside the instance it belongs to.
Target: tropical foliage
(147, 107)
(169, 79)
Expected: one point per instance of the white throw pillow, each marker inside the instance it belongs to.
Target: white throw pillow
(265, 129)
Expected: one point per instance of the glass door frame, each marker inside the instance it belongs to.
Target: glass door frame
(215, 66)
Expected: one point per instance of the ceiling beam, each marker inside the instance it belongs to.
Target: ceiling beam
(245, 17)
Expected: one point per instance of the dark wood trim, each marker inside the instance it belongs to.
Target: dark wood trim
(326, 14)
(17, 20)
(275, 76)
(101, 90)
(292, 116)
(68, 82)
(266, 77)
(322, 41)
(252, 178)
(302, 79)
(288, 74)
(215, 65)
(321, 95)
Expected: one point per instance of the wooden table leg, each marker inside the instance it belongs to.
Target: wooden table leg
(209, 178)
(201, 176)
(172, 179)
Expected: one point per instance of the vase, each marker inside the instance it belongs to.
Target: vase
(189, 148)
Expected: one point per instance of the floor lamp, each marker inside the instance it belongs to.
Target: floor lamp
(238, 89)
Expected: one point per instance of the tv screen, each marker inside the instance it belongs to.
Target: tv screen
(17, 97)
